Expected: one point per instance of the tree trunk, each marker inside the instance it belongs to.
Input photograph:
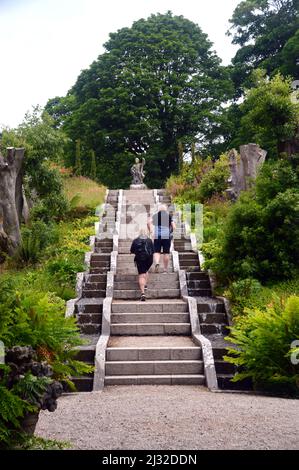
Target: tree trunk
(11, 199)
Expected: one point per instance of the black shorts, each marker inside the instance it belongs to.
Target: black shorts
(144, 266)
(160, 243)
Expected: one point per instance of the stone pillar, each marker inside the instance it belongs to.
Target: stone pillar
(244, 168)
(11, 199)
(252, 157)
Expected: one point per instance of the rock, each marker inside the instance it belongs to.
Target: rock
(244, 168)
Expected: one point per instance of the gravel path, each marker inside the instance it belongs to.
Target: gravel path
(172, 417)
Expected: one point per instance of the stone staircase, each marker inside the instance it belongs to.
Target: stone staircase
(150, 341)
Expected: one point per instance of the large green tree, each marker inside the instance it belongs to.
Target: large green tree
(158, 83)
(267, 31)
(268, 116)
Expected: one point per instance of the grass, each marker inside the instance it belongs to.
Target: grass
(260, 297)
(83, 192)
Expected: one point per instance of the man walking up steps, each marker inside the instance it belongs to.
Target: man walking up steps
(162, 227)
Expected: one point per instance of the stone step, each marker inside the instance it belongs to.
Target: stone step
(105, 246)
(100, 257)
(190, 269)
(182, 248)
(199, 284)
(90, 318)
(224, 383)
(95, 285)
(153, 353)
(83, 384)
(129, 206)
(163, 284)
(204, 306)
(183, 242)
(99, 264)
(85, 353)
(153, 277)
(97, 278)
(103, 250)
(214, 329)
(150, 329)
(219, 352)
(199, 292)
(99, 270)
(188, 256)
(223, 367)
(133, 270)
(197, 276)
(188, 263)
(93, 293)
(89, 305)
(150, 306)
(153, 367)
(129, 257)
(155, 380)
(150, 293)
(212, 317)
(90, 328)
(150, 318)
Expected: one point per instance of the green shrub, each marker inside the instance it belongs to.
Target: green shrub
(260, 238)
(64, 270)
(215, 182)
(35, 238)
(12, 409)
(241, 291)
(264, 340)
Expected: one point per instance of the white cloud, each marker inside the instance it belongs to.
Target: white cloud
(45, 43)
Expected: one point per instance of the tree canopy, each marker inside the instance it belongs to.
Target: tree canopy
(267, 31)
(267, 116)
(159, 83)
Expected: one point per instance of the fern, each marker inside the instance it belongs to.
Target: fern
(31, 388)
(12, 409)
(264, 340)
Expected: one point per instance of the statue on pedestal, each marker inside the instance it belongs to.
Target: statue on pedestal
(138, 174)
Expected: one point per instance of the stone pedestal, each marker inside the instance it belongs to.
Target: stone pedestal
(138, 186)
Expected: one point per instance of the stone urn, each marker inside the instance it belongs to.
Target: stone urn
(29, 422)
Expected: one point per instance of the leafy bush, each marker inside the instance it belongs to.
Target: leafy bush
(241, 291)
(35, 238)
(269, 117)
(44, 145)
(264, 340)
(12, 409)
(215, 182)
(199, 180)
(64, 270)
(186, 185)
(260, 238)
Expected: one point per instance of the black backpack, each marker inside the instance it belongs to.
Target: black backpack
(142, 249)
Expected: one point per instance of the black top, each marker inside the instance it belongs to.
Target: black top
(148, 242)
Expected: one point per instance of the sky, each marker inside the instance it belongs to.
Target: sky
(45, 44)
